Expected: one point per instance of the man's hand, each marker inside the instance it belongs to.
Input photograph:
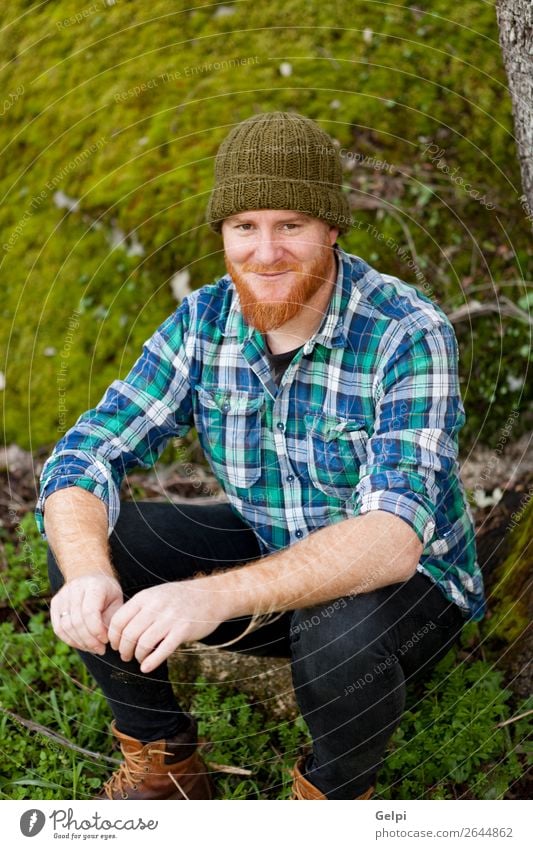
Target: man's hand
(83, 608)
(152, 624)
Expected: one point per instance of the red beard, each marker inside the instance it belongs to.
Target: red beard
(269, 315)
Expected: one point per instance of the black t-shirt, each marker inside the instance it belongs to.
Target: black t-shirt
(279, 362)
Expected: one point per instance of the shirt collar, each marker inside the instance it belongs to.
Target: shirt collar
(332, 330)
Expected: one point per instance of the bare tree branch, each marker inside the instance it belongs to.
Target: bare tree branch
(503, 307)
(57, 738)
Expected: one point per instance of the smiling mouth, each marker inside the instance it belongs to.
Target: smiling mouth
(270, 273)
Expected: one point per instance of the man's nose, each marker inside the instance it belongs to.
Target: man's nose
(268, 248)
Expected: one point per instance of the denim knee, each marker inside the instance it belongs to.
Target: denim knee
(356, 619)
(340, 638)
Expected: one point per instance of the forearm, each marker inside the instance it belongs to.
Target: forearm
(76, 526)
(354, 556)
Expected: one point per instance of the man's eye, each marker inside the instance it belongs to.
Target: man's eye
(290, 225)
(238, 226)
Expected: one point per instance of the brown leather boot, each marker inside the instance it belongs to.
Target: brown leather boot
(162, 769)
(303, 789)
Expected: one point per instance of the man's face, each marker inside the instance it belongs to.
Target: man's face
(278, 260)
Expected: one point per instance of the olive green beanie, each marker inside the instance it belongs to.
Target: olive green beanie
(278, 160)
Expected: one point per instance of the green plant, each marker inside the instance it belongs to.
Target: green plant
(240, 735)
(44, 680)
(23, 567)
(449, 744)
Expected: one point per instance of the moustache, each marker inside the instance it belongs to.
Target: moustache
(268, 269)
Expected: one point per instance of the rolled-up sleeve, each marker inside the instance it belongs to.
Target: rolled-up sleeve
(413, 447)
(129, 427)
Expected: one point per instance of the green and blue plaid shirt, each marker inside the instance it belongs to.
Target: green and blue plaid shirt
(366, 417)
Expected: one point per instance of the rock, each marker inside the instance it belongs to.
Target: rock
(267, 680)
(499, 466)
(15, 459)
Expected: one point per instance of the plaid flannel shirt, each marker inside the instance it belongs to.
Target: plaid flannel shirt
(366, 417)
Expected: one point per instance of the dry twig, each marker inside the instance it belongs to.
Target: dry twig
(231, 770)
(57, 738)
(514, 718)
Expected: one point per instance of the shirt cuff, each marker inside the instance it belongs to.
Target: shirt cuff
(405, 505)
(106, 491)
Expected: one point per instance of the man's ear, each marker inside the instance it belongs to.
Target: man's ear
(333, 234)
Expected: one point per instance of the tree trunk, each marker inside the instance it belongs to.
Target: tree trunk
(515, 20)
(505, 553)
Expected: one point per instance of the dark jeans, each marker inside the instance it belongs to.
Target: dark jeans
(350, 657)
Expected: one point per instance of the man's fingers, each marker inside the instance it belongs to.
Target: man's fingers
(160, 654)
(62, 628)
(135, 631)
(76, 617)
(67, 600)
(96, 610)
(86, 619)
(67, 633)
(109, 612)
(124, 629)
(151, 638)
(120, 619)
(55, 615)
(87, 641)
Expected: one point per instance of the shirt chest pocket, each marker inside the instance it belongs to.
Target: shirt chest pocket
(229, 428)
(336, 449)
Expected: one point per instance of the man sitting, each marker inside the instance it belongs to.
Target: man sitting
(326, 399)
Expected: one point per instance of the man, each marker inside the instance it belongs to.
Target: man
(326, 400)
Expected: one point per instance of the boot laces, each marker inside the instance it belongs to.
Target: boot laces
(131, 771)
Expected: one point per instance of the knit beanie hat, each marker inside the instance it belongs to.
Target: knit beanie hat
(278, 160)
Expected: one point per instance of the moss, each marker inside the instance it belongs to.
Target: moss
(511, 592)
(385, 81)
